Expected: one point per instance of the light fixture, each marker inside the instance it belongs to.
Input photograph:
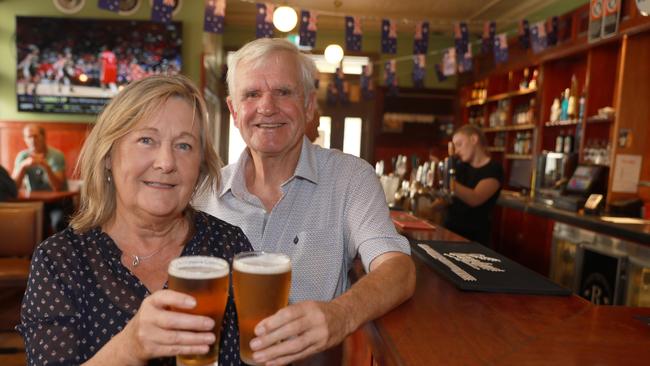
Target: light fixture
(285, 18)
(334, 54)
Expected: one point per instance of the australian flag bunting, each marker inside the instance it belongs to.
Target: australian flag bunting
(161, 11)
(551, 30)
(388, 36)
(308, 28)
(538, 37)
(353, 33)
(523, 30)
(421, 38)
(390, 76)
(465, 61)
(110, 5)
(215, 12)
(367, 88)
(419, 70)
(461, 38)
(501, 48)
(487, 40)
(264, 21)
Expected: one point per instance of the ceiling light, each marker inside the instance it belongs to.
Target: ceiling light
(285, 18)
(334, 54)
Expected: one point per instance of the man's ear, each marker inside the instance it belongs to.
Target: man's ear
(233, 111)
(310, 107)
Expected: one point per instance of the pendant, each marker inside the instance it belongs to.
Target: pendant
(136, 261)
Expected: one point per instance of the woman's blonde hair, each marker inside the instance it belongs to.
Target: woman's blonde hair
(138, 101)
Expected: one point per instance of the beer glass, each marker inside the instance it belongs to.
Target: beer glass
(206, 279)
(261, 283)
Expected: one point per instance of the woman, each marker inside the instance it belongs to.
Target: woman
(476, 188)
(96, 293)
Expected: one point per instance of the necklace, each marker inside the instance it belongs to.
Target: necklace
(138, 258)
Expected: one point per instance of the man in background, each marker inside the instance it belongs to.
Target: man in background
(41, 168)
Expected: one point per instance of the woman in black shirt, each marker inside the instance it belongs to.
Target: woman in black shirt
(476, 187)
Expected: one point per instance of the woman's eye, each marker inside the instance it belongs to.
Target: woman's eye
(145, 140)
(185, 146)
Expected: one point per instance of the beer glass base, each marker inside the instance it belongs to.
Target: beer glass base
(249, 361)
(180, 362)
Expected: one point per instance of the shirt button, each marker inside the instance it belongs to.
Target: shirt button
(295, 240)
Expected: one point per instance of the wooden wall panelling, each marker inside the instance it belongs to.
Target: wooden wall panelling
(632, 110)
(67, 137)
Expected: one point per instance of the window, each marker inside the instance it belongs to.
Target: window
(236, 143)
(324, 132)
(352, 136)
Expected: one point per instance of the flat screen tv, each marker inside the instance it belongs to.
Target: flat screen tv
(67, 65)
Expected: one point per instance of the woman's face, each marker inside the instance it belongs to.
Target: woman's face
(155, 167)
(464, 146)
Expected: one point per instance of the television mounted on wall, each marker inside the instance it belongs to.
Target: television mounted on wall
(68, 65)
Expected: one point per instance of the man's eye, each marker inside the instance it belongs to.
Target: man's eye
(251, 95)
(284, 92)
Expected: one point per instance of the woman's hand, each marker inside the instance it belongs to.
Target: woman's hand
(157, 331)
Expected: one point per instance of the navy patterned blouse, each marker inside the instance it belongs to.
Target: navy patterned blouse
(79, 294)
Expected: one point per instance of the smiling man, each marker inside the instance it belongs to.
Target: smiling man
(321, 207)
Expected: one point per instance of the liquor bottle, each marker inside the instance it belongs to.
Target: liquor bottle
(524, 82)
(582, 103)
(572, 109)
(564, 113)
(555, 110)
(533, 80)
(568, 144)
(559, 142)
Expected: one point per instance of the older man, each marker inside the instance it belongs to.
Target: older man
(319, 206)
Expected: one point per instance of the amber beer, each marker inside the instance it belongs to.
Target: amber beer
(206, 279)
(261, 283)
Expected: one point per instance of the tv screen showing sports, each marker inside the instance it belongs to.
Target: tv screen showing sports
(67, 65)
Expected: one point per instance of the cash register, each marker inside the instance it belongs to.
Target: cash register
(585, 181)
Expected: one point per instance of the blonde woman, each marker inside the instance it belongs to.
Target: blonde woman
(97, 290)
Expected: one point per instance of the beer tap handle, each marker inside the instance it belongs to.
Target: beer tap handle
(451, 167)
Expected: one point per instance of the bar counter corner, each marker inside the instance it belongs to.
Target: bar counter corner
(443, 325)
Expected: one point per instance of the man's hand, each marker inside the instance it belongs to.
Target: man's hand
(298, 331)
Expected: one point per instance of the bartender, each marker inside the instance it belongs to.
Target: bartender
(476, 186)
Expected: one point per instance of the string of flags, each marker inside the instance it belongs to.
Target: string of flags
(453, 60)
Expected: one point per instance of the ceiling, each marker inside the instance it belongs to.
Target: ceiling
(440, 14)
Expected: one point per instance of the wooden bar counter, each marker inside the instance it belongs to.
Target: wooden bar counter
(442, 325)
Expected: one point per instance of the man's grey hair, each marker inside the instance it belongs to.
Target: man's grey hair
(254, 54)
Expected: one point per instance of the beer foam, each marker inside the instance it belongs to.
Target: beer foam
(267, 263)
(198, 267)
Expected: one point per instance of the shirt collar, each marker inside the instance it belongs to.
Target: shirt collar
(307, 168)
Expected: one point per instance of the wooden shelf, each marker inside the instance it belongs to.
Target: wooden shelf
(518, 156)
(568, 122)
(597, 119)
(473, 103)
(497, 97)
(496, 149)
(509, 128)
(511, 94)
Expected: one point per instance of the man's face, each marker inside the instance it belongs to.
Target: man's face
(34, 140)
(268, 106)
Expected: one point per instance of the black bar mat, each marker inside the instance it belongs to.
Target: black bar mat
(515, 278)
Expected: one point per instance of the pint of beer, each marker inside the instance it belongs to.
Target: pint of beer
(261, 283)
(206, 279)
